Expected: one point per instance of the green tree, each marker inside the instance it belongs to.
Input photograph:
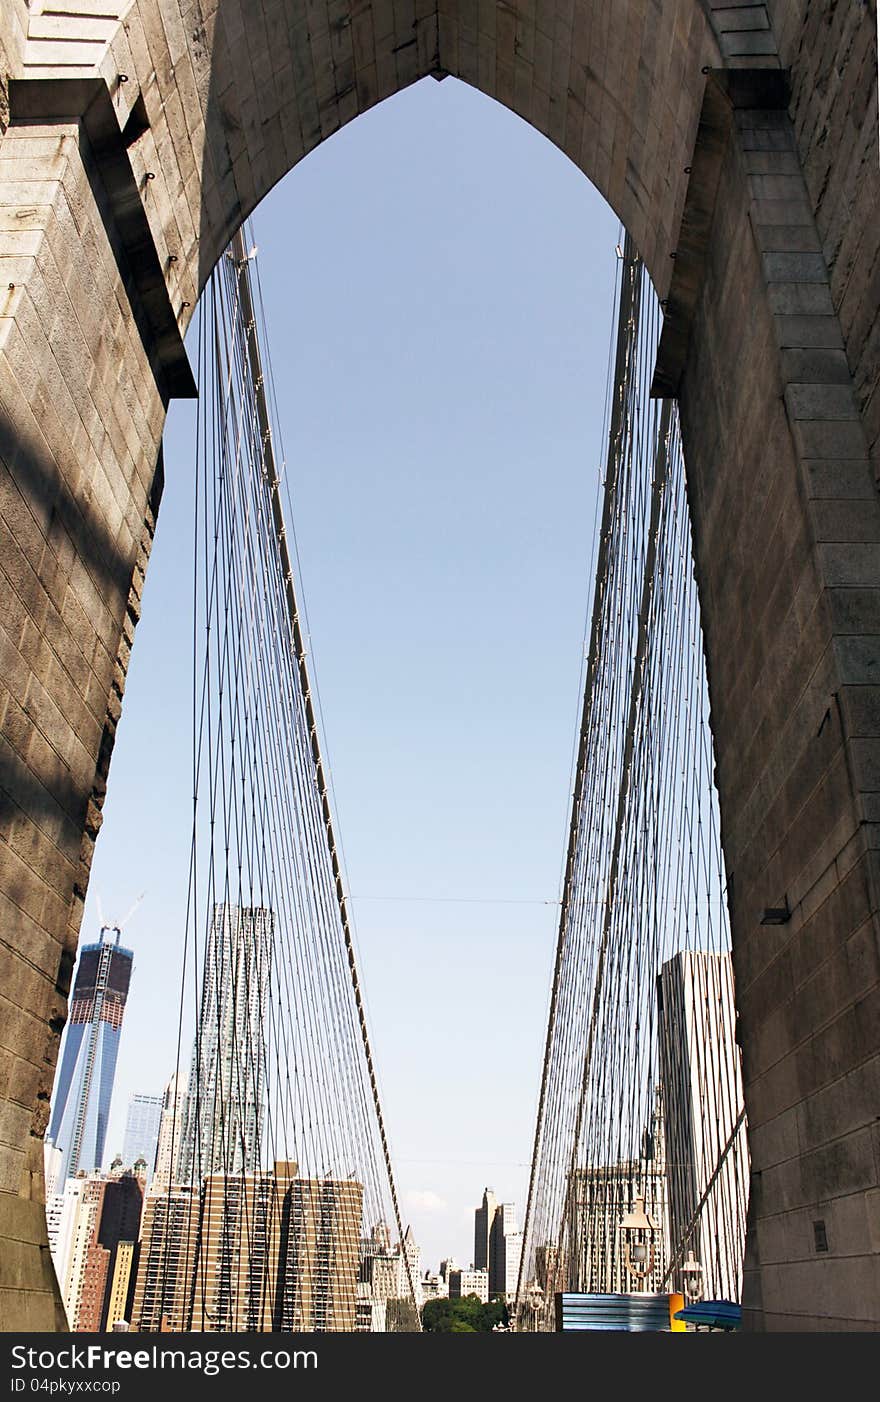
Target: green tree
(462, 1316)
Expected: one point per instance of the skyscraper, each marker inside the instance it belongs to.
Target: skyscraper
(251, 1252)
(706, 1147)
(319, 1257)
(166, 1267)
(81, 1108)
(388, 1281)
(505, 1250)
(116, 1227)
(601, 1197)
(483, 1219)
(142, 1131)
(497, 1244)
(599, 1200)
(94, 1216)
(223, 1111)
(170, 1131)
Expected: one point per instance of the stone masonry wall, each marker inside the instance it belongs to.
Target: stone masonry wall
(13, 33)
(787, 531)
(80, 425)
(831, 51)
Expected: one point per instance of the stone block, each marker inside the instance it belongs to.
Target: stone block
(840, 1107)
(821, 401)
(777, 1140)
(855, 564)
(772, 138)
(850, 1288)
(872, 1213)
(815, 366)
(787, 299)
(793, 267)
(787, 238)
(748, 43)
(865, 754)
(861, 710)
(854, 613)
(27, 1312)
(807, 332)
(846, 521)
(795, 212)
(839, 438)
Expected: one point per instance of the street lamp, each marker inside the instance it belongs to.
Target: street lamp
(692, 1279)
(637, 1230)
(535, 1304)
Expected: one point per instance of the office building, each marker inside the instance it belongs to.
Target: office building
(706, 1148)
(170, 1133)
(600, 1257)
(469, 1282)
(120, 1296)
(497, 1245)
(371, 1316)
(550, 1274)
(597, 1244)
(505, 1250)
(433, 1287)
(166, 1265)
(92, 1219)
(391, 1278)
(412, 1258)
(142, 1131)
(251, 1252)
(81, 1103)
(318, 1255)
(54, 1210)
(52, 1157)
(80, 1206)
(483, 1219)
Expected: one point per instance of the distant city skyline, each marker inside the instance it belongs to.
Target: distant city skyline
(154, 1121)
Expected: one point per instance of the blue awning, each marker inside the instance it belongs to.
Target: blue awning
(712, 1314)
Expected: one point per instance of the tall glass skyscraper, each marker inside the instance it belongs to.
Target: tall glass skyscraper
(81, 1109)
(142, 1131)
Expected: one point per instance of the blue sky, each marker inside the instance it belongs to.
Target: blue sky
(439, 284)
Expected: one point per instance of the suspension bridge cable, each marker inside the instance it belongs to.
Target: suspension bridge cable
(641, 1091)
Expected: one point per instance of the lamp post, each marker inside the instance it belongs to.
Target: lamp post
(535, 1305)
(692, 1279)
(637, 1230)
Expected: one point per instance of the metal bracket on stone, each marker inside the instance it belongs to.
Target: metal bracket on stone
(88, 102)
(727, 89)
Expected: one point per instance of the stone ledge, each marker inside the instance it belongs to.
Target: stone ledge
(87, 100)
(726, 92)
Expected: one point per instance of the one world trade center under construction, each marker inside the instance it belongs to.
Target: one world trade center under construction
(84, 1088)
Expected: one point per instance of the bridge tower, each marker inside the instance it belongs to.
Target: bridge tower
(738, 144)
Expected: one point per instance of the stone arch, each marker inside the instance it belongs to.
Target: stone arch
(740, 138)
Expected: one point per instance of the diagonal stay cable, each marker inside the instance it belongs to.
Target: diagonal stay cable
(253, 351)
(628, 313)
(658, 486)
